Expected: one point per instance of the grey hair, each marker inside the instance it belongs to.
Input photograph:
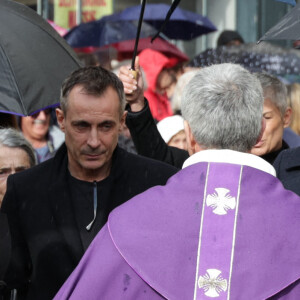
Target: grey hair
(275, 90)
(95, 81)
(223, 105)
(12, 138)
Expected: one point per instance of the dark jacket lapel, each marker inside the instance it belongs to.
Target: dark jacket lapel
(62, 208)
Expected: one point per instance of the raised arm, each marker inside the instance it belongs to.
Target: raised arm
(141, 124)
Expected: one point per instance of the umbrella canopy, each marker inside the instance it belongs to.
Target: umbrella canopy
(62, 31)
(266, 57)
(104, 32)
(125, 48)
(34, 60)
(183, 24)
(288, 27)
(292, 2)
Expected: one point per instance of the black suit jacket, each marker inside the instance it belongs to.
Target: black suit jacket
(287, 166)
(46, 244)
(148, 141)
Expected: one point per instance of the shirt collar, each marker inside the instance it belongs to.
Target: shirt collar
(231, 157)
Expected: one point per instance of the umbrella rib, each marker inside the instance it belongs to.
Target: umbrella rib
(169, 14)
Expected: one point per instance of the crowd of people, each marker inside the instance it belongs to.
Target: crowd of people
(208, 208)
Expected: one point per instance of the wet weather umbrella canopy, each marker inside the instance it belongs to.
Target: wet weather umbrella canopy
(103, 32)
(291, 2)
(34, 60)
(125, 48)
(288, 28)
(265, 57)
(183, 24)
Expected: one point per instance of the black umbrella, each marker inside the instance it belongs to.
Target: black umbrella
(266, 57)
(34, 60)
(288, 27)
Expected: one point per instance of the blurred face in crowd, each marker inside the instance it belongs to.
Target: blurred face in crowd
(91, 125)
(275, 123)
(234, 43)
(35, 127)
(12, 160)
(179, 140)
(165, 80)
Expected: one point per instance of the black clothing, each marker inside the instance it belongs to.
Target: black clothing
(287, 166)
(148, 140)
(82, 194)
(46, 241)
(271, 157)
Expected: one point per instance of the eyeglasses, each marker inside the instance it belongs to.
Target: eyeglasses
(47, 112)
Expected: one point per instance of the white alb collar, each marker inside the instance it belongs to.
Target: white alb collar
(231, 157)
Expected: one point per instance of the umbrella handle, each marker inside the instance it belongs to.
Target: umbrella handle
(134, 73)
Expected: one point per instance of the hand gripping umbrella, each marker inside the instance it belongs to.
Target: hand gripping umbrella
(34, 60)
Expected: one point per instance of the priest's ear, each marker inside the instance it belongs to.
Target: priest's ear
(60, 116)
(192, 145)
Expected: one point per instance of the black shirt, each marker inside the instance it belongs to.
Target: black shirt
(82, 193)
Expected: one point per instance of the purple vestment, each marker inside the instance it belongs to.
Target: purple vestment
(215, 231)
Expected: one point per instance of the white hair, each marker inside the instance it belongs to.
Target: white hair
(223, 105)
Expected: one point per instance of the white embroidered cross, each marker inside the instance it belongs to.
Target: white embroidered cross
(221, 201)
(212, 283)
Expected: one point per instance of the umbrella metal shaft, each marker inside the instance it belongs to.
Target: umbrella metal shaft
(138, 34)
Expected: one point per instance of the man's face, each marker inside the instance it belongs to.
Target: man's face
(272, 136)
(35, 127)
(12, 160)
(91, 125)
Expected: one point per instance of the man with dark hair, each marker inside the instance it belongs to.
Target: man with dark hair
(55, 209)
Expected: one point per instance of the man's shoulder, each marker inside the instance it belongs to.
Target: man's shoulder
(139, 161)
(288, 158)
(287, 166)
